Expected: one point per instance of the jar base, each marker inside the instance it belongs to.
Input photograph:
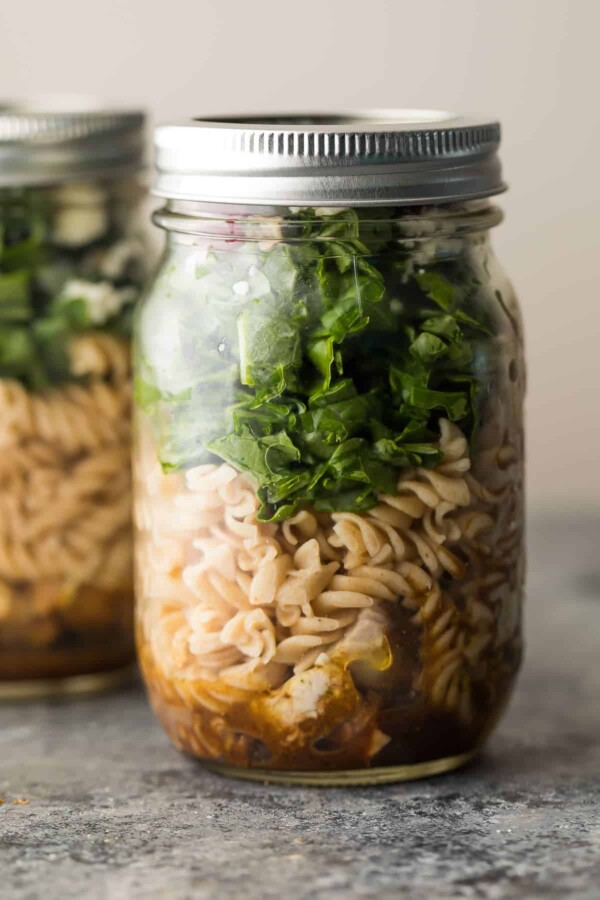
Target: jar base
(344, 778)
(71, 686)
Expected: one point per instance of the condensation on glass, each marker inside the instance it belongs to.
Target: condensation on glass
(329, 460)
(71, 266)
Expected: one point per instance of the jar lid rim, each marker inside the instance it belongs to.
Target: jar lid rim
(56, 139)
(363, 158)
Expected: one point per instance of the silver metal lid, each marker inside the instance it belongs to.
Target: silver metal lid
(360, 159)
(61, 139)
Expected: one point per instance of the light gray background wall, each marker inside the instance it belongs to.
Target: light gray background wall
(533, 63)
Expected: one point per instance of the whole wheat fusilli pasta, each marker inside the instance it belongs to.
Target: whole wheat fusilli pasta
(65, 493)
(231, 602)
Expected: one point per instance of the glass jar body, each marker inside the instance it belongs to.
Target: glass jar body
(329, 483)
(72, 262)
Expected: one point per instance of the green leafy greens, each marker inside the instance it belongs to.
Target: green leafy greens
(320, 366)
(36, 320)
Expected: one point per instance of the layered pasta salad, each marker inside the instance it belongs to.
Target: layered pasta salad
(329, 489)
(70, 270)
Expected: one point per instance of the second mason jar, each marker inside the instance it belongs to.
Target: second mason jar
(329, 465)
(71, 265)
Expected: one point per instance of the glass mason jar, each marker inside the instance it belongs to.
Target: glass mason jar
(71, 265)
(329, 460)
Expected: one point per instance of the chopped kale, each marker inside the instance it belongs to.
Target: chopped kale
(40, 311)
(320, 366)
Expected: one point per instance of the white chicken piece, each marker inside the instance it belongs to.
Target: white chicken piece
(81, 215)
(297, 710)
(301, 697)
(102, 300)
(366, 640)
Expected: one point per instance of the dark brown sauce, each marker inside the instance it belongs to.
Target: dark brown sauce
(93, 633)
(417, 732)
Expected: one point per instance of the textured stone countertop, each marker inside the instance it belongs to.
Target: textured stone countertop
(113, 811)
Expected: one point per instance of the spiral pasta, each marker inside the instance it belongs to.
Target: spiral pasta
(73, 418)
(65, 492)
(278, 611)
(101, 355)
(418, 521)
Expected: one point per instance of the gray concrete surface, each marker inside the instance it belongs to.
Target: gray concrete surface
(114, 812)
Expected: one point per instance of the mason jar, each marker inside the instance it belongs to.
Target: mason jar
(329, 455)
(71, 264)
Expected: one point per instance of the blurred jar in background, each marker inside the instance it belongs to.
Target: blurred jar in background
(71, 266)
